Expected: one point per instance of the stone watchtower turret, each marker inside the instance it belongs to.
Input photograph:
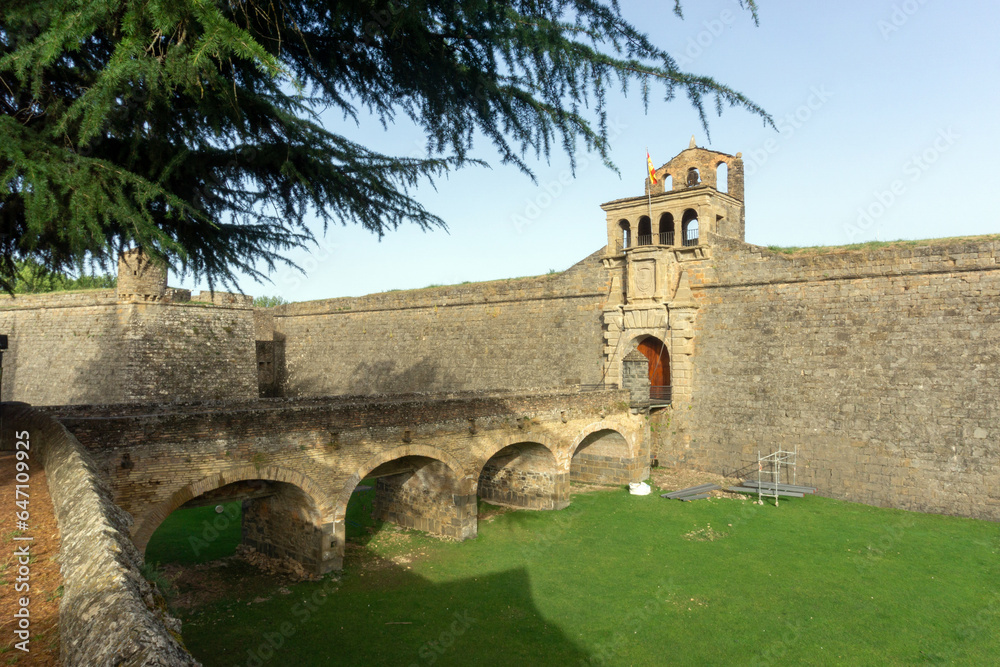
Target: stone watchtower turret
(654, 241)
(140, 278)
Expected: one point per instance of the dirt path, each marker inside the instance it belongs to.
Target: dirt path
(44, 580)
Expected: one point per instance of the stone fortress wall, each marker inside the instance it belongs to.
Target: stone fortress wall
(524, 333)
(142, 343)
(882, 366)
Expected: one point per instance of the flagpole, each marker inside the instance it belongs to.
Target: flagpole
(649, 193)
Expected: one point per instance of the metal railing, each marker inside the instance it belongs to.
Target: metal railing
(663, 238)
(593, 387)
(660, 394)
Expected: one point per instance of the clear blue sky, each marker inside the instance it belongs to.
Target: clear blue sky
(886, 107)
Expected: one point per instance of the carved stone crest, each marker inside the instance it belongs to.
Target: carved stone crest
(645, 278)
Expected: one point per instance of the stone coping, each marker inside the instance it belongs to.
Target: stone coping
(265, 404)
(109, 614)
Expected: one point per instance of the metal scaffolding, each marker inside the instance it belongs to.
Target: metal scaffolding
(769, 474)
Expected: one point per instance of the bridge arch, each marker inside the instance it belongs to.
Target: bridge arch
(417, 486)
(523, 471)
(606, 425)
(290, 519)
(494, 446)
(151, 519)
(603, 454)
(427, 451)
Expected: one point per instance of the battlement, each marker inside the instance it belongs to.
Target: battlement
(140, 278)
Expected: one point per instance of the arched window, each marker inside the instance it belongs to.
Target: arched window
(694, 178)
(666, 229)
(668, 182)
(690, 227)
(722, 177)
(626, 235)
(645, 231)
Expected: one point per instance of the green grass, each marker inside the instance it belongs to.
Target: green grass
(196, 535)
(872, 245)
(613, 580)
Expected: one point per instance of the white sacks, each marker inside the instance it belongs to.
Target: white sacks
(639, 489)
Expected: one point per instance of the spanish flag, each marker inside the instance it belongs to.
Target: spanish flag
(649, 166)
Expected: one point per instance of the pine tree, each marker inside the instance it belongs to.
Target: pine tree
(190, 127)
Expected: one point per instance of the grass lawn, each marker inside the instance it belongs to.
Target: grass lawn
(625, 580)
(196, 535)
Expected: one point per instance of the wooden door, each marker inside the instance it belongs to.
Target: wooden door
(659, 361)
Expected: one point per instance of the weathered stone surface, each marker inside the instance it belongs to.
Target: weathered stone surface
(108, 614)
(881, 365)
(502, 335)
(84, 347)
(429, 451)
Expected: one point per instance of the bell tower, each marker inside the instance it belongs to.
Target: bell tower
(654, 240)
(687, 201)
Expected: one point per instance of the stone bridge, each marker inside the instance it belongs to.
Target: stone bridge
(294, 464)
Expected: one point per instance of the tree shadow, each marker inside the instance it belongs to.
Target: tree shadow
(382, 613)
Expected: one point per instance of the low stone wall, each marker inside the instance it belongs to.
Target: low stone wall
(109, 614)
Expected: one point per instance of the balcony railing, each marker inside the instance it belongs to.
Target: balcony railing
(663, 238)
(660, 394)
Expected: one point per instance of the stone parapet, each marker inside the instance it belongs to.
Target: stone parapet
(109, 613)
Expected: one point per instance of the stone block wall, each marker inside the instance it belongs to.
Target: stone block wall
(524, 476)
(603, 458)
(515, 334)
(882, 366)
(109, 614)
(85, 347)
(64, 348)
(426, 499)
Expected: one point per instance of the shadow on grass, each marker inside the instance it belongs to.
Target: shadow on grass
(384, 614)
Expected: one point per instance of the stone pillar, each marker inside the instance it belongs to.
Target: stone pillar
(683, 311)
(613, 332)
(280, 526)
(735, 177)
(635, 378)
